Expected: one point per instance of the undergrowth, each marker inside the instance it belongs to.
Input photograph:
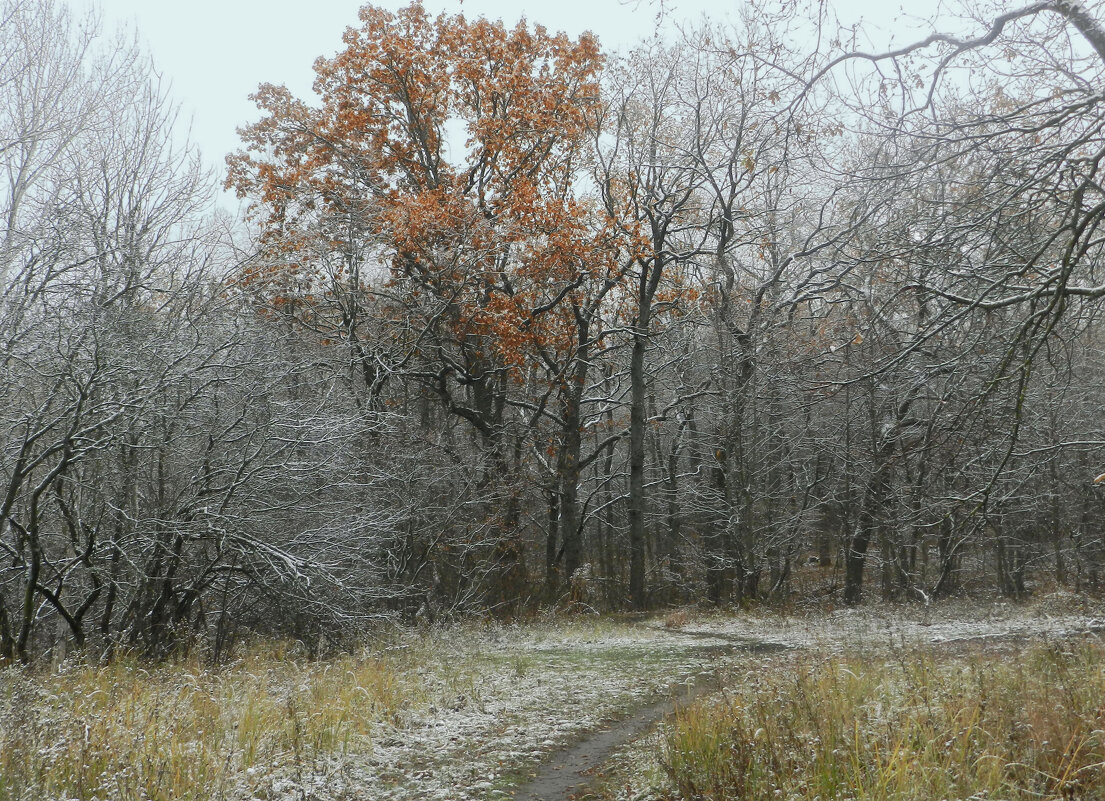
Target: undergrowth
(918, 724)
(272, 722)
(129, 730)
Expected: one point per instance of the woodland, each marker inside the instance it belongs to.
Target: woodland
(741, 314)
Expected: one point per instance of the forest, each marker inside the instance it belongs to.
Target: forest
(741, 314)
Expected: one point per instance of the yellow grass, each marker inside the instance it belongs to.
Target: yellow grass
(180, 731)
(917, 725)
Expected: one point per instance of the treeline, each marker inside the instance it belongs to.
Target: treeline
(521, 323)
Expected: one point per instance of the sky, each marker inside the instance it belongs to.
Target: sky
(216, 52)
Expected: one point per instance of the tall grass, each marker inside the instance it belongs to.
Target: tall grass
(180, 731)
(271, 724)
(917, 725)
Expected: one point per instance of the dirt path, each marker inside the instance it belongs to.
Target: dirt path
(571, 771)
(568, 773)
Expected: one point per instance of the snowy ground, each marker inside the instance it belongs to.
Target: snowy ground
(504, 699)
(873, 627)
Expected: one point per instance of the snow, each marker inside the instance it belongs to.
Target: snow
(524, 693)
(895, 626)
(531, 691)
(489, 704)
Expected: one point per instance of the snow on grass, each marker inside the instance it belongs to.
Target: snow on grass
(458, 713)
(505, 698)
(453, 713)
(847, 629)
(910, 724)
(1031, 673)
(525, 694)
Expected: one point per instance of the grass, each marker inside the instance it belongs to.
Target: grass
(180, 731)
(916, 724)
(472, 705)
(465, 712)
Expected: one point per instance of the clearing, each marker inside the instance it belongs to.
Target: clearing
(460, 713)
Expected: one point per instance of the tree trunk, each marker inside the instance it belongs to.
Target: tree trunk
(717, 568)
(870, 517)
(854, 559)
(637, 504)
(568, 462)
(7, 642)
(552, 543)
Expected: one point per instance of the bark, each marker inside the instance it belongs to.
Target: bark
(1080, 18)
(568, 464)
(637, 501)
(716, 553)
(7, 642)
(870, 520)
(552, 543)
(637, 505)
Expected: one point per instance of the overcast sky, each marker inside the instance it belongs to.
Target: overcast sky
(216, 52)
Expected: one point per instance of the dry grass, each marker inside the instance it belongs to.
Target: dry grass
(180, 731)
(906, 724)
(275, 725)
(918, 725)
(677, 619)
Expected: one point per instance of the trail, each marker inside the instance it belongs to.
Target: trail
(569, 772)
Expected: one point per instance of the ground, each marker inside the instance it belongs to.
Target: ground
(454, 713)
